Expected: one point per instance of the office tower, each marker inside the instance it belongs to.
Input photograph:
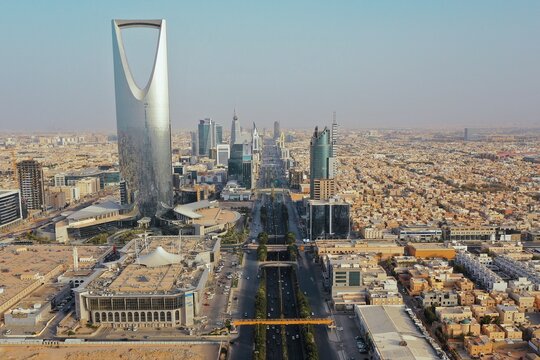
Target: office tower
(328, 219)
(335, 128)
(30, 175)
(10, 207)
(466, 134)
(277, 131)
(223, 154)
(219, 134)
(194, 144)
(144, 128)
(335, 140)
(256, 139)
(321, 163)
(210, 134)
(241, 165)
(235, 130)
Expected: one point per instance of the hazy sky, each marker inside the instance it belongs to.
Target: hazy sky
(377, 63)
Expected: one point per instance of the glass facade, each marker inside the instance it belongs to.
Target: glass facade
(144, 129)
(328, 220)
(319, 157)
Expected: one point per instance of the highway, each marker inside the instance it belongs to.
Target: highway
(281, 217)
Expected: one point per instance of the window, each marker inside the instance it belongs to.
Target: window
(131, 304)
(354, 278)
(118, 304)
(145, 304)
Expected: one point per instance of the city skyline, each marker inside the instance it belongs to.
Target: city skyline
(420, 65)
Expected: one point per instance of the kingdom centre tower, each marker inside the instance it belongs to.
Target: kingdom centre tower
(144, 128)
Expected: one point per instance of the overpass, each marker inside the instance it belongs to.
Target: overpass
(305, 321)
(277, 263)
(269, 247)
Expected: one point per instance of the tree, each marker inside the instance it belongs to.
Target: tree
(263, 238)
(291, 239)
(262, 253)
(486, 319)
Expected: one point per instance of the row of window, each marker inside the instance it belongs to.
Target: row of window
(134, 303)
(148, 316)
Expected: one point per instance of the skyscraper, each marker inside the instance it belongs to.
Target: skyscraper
(256, 139)
(277, 131)
(235, 130)
(321, 162)
(223, 154)
(335, 128)
(210, 135)
(466, 134)
(194, 144)
(144, 129)
(30, 175)
(335, 139)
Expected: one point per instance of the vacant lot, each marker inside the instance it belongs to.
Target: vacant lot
(116, 351)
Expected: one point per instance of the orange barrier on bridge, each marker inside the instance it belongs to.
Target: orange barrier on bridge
(307, 321)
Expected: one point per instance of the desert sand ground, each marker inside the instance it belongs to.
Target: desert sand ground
(106, 352)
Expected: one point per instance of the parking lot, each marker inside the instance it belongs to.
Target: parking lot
(346, 331)
(216, 296)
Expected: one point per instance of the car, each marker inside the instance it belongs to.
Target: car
(312, 313)
(245, 315)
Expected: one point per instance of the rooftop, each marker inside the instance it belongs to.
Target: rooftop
(95, 210)
(165, 265)
(20, 266)
(394, 334)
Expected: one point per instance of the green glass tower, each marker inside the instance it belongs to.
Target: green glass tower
(320, 159)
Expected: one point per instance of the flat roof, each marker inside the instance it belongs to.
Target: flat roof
(35, 260)
(389, 326)
(134, 278)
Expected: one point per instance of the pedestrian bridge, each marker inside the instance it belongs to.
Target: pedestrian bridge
(277, 263)
(305, 321)
(269, 247)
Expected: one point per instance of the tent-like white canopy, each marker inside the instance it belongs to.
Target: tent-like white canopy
(159, 257)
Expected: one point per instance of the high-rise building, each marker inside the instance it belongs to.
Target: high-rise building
(144, 128)
(124, 193)
(210, 135)
(194, 144)
(466, 134)
(235, 130)
(277, 131)
(335, 135)
(30, 175)
(223, 154)
(256, 139)
(219, 134)
(10, 207)
(241, 165)
(328, 219)
(321, 162)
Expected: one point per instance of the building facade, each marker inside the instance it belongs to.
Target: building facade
(30, 175)
(320, 158)
(10, 207)
(143, 123)
(328, 219)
